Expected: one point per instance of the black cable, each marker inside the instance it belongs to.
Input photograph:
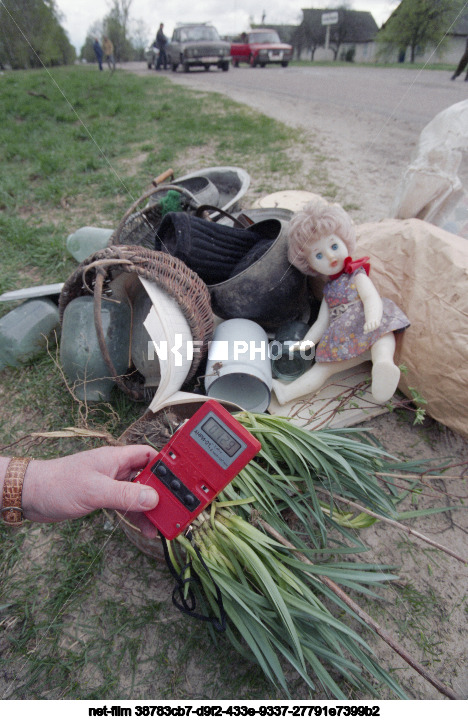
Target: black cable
(187, 604)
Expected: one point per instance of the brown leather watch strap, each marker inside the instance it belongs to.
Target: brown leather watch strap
(12, 512)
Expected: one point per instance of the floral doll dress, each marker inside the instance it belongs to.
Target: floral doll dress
(345, 337)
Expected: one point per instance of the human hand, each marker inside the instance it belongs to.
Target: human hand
(75, 485)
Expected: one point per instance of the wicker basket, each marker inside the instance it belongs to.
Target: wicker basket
(124, 264)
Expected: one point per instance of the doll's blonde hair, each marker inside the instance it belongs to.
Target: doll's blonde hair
(316, 220)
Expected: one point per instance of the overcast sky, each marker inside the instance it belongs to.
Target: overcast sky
(228, 16)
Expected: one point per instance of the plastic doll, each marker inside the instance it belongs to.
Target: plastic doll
(354, 323)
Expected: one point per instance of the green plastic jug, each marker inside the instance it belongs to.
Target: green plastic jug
(80, 355)
(86, 241)
(26, 330)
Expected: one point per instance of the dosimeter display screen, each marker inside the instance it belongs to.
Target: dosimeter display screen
(202, 457)
(225, 441)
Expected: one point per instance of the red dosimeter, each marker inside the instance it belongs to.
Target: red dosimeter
(201, 458)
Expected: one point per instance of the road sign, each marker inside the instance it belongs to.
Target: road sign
(330, 18)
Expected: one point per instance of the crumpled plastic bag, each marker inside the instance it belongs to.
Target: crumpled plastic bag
(424, 270)
(434, 187)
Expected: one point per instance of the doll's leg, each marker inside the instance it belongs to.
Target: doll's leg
(385, 374)
(311, 381)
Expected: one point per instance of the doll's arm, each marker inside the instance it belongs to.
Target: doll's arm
(316, 330)
(371, 300)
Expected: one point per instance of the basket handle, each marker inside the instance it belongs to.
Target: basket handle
(145, 196)
(241, 222)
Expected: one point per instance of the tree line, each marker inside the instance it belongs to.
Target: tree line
(31, 34)
(418, 24)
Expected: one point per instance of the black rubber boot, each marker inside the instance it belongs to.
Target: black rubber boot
(210, 249)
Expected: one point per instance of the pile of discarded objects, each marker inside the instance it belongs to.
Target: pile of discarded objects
(186, 270)
(192, 294)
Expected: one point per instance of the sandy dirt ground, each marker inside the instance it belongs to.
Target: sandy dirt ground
(365, 153)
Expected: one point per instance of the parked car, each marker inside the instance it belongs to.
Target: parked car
(198, 45)
(151, 55)
(259, 47)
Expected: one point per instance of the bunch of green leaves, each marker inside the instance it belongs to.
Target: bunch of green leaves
(294, 463)
(277, 607)
(259, 541)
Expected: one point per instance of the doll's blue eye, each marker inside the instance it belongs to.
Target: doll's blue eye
(335, 246)
(319, 256)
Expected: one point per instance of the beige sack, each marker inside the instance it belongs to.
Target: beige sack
(434, 186)
(424, 269)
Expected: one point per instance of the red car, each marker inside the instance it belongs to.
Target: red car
(259, 47)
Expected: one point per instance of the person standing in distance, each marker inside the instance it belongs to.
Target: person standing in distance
(462, 64)
(161, 42)
(98, 52)
(108, 47)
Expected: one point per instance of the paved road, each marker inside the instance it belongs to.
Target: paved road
(366, 121)
(405, 95)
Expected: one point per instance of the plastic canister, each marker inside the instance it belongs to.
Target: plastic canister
(87, 240)
(25, 331)
(80, 354)
(239, 368)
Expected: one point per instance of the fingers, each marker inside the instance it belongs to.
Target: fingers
(123, 496)
(72, 486)
(120, 462)
(134, 457)
(371, 325)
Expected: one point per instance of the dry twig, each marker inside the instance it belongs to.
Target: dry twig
(364, 616)
(390, 521)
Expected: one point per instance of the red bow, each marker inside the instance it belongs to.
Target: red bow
(351, 265)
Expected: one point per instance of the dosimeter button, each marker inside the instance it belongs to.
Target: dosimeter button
(189, 500)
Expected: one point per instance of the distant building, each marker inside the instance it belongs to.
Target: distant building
(350, 38)
(450, 52)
